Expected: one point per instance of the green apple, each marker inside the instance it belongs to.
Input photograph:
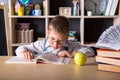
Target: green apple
(80, 58)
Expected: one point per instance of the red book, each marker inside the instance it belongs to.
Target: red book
(107, 67)
(108, 53)
(113, 61)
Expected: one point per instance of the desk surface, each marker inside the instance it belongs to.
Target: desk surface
(54, 72)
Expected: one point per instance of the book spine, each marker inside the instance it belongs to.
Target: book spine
(108, 60)
(109, 54)
(44, 7)
(111, 68)
(108, 7)
(113, 8)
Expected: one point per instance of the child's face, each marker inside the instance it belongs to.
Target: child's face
(55, 39)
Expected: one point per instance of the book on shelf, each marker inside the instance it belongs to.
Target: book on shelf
(114, 7)
(107, 60)
(108, 53)
(44, 58)
(44, 7)
(110, 68)
(72, 36)
(108, 7)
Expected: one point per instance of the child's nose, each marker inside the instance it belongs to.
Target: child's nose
(55, 45)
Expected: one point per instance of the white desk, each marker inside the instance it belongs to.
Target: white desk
(54, 72)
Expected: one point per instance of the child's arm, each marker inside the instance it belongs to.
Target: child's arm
(29, 50)
(85, 49)
(76, 47)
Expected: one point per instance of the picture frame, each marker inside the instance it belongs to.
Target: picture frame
(65, 11)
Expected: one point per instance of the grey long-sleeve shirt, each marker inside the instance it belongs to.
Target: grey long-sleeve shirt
(43, 46)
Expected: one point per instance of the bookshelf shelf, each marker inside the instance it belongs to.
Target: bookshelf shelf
(66, 16)
(88, 28)
(28, 16)
(18, 44)
(101, 16)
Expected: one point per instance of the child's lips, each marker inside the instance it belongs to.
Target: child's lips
(55, 47)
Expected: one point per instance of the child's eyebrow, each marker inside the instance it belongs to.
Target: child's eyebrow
(54, 39)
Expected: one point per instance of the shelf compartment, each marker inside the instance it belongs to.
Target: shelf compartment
(54, 6)
(37, 24)
(94, 27)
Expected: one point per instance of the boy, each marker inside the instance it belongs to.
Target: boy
(56, 42)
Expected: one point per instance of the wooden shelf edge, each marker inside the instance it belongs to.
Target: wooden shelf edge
(19, 44)
(51, 16)
(14, 16)
(92, 44)
(115, 16)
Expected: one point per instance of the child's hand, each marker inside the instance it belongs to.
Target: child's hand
(27, 55)
(64, 53)
(73, 53)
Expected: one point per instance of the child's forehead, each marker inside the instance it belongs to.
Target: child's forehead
(53, 32)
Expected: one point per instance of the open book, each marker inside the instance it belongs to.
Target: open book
(110, 38)
(45, 58)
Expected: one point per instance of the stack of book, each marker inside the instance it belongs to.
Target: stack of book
(72, 36)
(108, 60)
(108, 54)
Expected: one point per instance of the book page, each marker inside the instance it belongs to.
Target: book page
(51, 58)
(45, 58)
(17, 59)
(110, 38)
